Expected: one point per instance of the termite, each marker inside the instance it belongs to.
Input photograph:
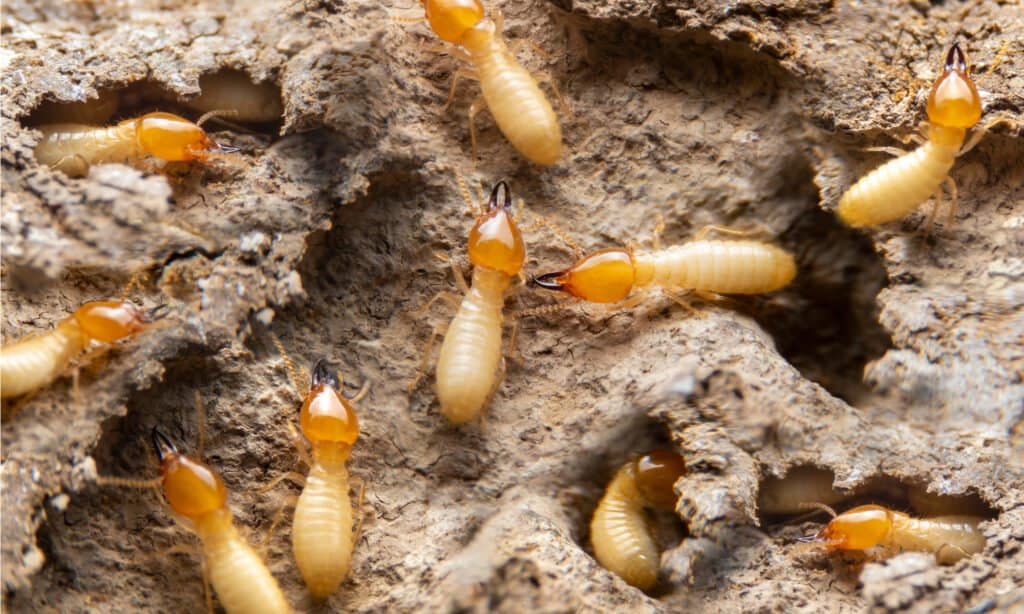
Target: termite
(518, 105)
(467, 367)
(950, 538)
(73, 148)
(322, 533)
(702, 265)
(233, 90)
(199, 497)
(35, 361)
(619, 531)
(792, 493)
(899, 186)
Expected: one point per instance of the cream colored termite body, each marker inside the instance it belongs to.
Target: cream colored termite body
(73, 148)
(951, 538)
(619, 533)
(471, 353)
(239, 577)
(322, 528)
(793, 493)
(34, 362)
(518, 105)
(725, 267)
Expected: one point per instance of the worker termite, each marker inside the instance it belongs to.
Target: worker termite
(322, 533)
(708, 266)
(35, 361)
(899, 186)
(199, 497)
(619, 531)
(233, 90)
(518, 105)
(73, 148)
(468, 365)
(949, 538)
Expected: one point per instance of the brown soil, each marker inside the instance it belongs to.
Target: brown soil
(896, 355)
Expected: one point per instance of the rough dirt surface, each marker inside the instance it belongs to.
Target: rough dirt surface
(897, 354)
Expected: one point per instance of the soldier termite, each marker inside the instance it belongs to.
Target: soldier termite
(33, 362)
(322, 532)
(198, 496)
(709, 266)
(619, 530)
(899, 186)
(73, 148)
(518, 105)
(949, 538)
(468, 365)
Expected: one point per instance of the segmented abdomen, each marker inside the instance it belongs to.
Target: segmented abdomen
(322, 531)
(898, 187)
(73, 148)
(518, 105)
(32, 363)
(725, 267)
(242, 582)
(619, 533)
(468, 363)
(950, 538)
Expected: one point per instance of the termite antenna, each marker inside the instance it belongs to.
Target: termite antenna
(548, 280)
(322, 374)
(955, 59)
(162, 445)
(813, 505)
(205, 117)
(492, 203)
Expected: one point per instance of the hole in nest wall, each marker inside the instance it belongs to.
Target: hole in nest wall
(805, 485)
(225, 90)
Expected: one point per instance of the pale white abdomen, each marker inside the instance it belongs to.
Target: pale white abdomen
(471, 352)
(518, 105)
(950, 538)
(234, 91)
(724, 267)
(32, 363)
(242, 582)
(73, 148)
(620, 535)
(898, 187)
(322, 530)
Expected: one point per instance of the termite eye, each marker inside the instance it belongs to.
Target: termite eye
(605, 276)
(656, 474)
(172, 138)
(192, 488)
(954, 101)
(328, 417)
(450, 19)
(495, 242)
(109, 321)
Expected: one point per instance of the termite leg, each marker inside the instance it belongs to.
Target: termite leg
(953, 198)
(758, 229)
(363, 391)
(980, 132)
(458, 75)
(546, 78)
(892, 151)
(294, 476)
(422, 370)
(678, 299)
(450, 297)
(478, 105)
(80, 170)
(289, 502)
(513, 351)
(517, 45)
(300, 445)
(938, 551)
(358, 528)
(659, 228)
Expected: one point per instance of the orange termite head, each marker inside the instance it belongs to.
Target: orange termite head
(495, 242)
(451, 19)
(954, 101)
(860, 528)
(656, 473)
(606, 276)
(192, 488)
(326, 416)
(175, 139)
(109, 321)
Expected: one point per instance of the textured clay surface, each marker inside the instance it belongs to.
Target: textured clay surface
(896, 358)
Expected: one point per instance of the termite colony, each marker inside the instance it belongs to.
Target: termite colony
(468, 370)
